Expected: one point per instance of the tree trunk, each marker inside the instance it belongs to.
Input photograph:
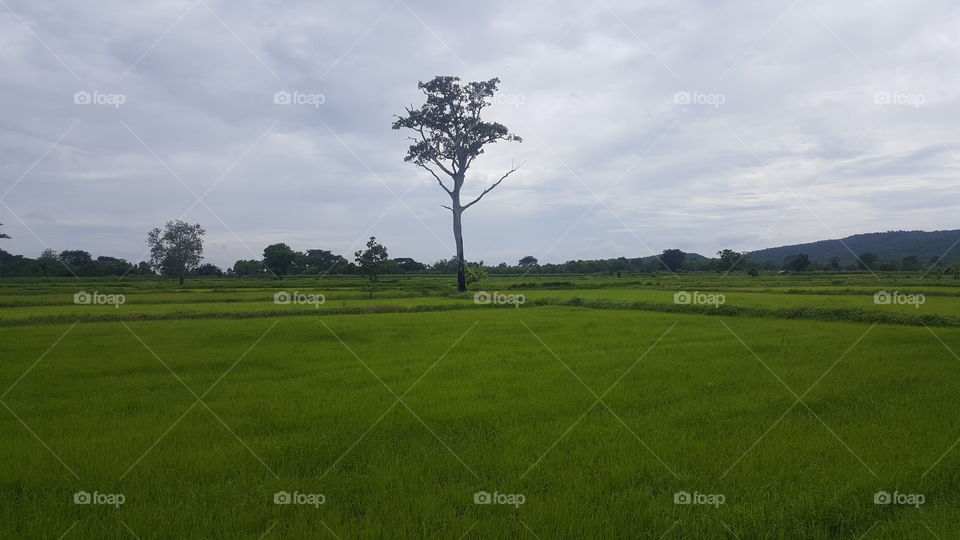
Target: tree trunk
(180, 275)
(458, 237)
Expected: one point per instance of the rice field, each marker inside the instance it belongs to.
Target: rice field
(597, 407)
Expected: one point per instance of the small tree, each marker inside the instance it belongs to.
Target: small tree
(370, 260)
(243, 268)
(866, 261)
(406, 264)
(49, 263)
(672, 259)
(321, 261)
(528, 262)
(177, 249)
(728, 259)
(279, 258)
(142, 269)
(207, 270)
(797, 263)
(75, 257)
(476, 273)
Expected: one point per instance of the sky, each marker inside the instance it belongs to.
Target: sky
(646, 125)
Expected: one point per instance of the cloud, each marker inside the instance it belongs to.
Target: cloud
(794, 122)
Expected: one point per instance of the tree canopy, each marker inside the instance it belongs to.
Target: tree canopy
(176, 249)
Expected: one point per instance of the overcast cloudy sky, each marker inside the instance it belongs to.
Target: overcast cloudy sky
(647, 125)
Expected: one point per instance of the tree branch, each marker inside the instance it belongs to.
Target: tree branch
(433, 158)
(429, 170)
(495, 184)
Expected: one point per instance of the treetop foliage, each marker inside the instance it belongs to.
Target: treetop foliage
(450, 133)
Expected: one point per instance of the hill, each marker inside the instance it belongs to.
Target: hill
(889, 246)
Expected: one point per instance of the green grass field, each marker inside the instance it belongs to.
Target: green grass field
(588, 411)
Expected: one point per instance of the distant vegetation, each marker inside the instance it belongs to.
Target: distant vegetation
(281, 260)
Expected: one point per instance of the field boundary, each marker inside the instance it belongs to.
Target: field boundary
(856, 315)
(797, 312)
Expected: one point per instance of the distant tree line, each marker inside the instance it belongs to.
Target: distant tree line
(280, 260)
(870, 262)
(71, 262)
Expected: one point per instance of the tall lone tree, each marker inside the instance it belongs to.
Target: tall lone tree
(448, 136)
(176, 249)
